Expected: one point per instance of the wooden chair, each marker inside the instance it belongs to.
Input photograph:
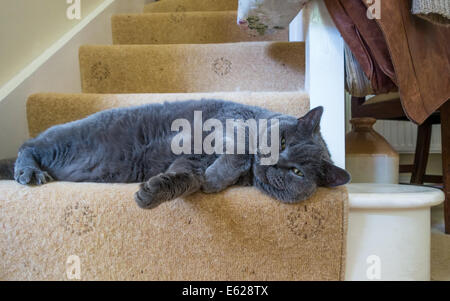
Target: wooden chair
(388, 107)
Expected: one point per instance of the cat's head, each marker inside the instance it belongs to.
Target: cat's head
(304, 161)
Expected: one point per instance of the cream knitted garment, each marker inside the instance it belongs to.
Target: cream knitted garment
(435, 11)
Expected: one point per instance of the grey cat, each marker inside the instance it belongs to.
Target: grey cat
(129, 145)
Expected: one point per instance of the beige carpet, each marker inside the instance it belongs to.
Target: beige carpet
(47, 109)
(184, 68)
(191, 5)
(184, 28)
(239, 234)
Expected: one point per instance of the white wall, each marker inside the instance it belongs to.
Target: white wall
(55, 69)
(28, 27)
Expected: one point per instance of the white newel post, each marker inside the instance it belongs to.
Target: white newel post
(324, 72)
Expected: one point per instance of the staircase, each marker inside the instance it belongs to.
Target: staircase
(175, 50)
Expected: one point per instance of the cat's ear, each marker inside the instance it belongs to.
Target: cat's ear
(333, 176)
(312, 119)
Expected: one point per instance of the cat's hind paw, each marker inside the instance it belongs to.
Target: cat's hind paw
(31, 175)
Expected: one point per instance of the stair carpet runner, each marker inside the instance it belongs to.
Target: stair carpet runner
(175, 50)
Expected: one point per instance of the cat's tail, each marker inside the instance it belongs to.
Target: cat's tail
(7, 169)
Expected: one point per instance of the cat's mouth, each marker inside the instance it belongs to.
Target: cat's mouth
(282, 194)
(260, 173)
(278, 194)
(274, 178)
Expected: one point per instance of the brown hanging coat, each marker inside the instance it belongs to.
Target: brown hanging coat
(399, 49)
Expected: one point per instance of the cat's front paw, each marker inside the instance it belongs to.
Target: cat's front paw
(213, 182)
(212, 187)
(31, 175)
(151, 193)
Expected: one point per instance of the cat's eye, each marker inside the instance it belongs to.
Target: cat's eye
(297, 172)
(283, 143)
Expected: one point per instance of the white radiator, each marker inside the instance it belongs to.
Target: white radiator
(402, 135)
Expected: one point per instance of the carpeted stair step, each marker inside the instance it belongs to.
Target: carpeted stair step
(225, 236)
(184, 28)
(190, 5)
(183, 68)
(47, 109)
(238, 234)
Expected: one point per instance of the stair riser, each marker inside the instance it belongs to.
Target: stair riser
(184, 28)
(238, 234)
(191, 5)
(259, 66)
(45, 110)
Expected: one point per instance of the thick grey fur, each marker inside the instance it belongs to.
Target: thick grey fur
(128, 145)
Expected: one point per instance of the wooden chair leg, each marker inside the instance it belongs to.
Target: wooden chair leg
(422, 153)
(357, 102)
(445, 129)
